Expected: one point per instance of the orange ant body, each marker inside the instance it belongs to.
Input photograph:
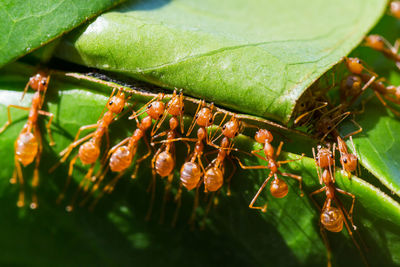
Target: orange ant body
(278, 188)
(121, 155)
(28, 145)
(348, 160)
(332, 218)
(380, 44)
(395, 9)
(390, 93)
(89, 151)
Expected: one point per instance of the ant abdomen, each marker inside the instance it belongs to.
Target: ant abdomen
(89, 152)
(26, 148)
(190, 175)
(279, 188)
(332, 219)
(121, 159)
(213, 179)
(164, 164)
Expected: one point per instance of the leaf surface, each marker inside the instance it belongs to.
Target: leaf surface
(256, 57)
(27, 25)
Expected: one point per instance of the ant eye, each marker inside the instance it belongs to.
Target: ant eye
(110, 103)
(159, 117)
(331, 157)
(358, 61)
(149, 106)
(236, 134)
(183, 108)
(223, 127)
(197, 116)
(43, 82)
(210, 120)
(345, 160)
(329, 127)
(123, 108)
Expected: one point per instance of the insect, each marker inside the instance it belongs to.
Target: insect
(163, 162)
(29, 146)
(332, 218)
(89, 151)
(348, 160)
(380, 44)
(121, 155)
(395, 9)
(278, 188)
(192, 171)
(390, 93)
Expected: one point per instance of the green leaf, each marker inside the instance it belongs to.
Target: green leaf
(27, 25)
(115, 233)
(256, 57)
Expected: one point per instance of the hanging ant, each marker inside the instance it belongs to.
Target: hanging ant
(380, 44)
(278, 188)
(121, 155)
(28, 145)
(89, 151)
(192, 170)
(390, 93)
(163, 162)
(332, 218)
(395, 9)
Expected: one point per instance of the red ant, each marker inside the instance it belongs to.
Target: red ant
(121, 155)
(192, 170)
(332, 218)
(395, 9)
(90, 150)
(379, 43)
(163, 162)
(390, 93)
(28, 145)
(278, 188)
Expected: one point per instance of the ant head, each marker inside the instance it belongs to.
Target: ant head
(231, 128)
(175, 105)
(324, 157)
(354, 65)
(39, 81)
(352, 82)
(204, 117)
(375, 42)
(332, 219)
(263, 136)
(395, 9)
(173, 123)
(155, 109)
(349, 162)
(116, 103)
(324, 125)
(146, 123)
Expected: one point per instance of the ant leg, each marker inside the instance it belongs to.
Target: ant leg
(18, 173)
(138, 161)
(228, 180)
(360, 129)
(9, 121)
(328, 247)
(178, 200)
(290, 160)
(250, 167)
(208, 208)
(317, 192)
(167, 189)
(71, 168)
(350, 215)
(65, 153)
(263, 208)
(298, 178)
(378, 95)
(76, 142)
(51, 115)
(35, 180)
(195, 203)
(152, 185)
(85, 179)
